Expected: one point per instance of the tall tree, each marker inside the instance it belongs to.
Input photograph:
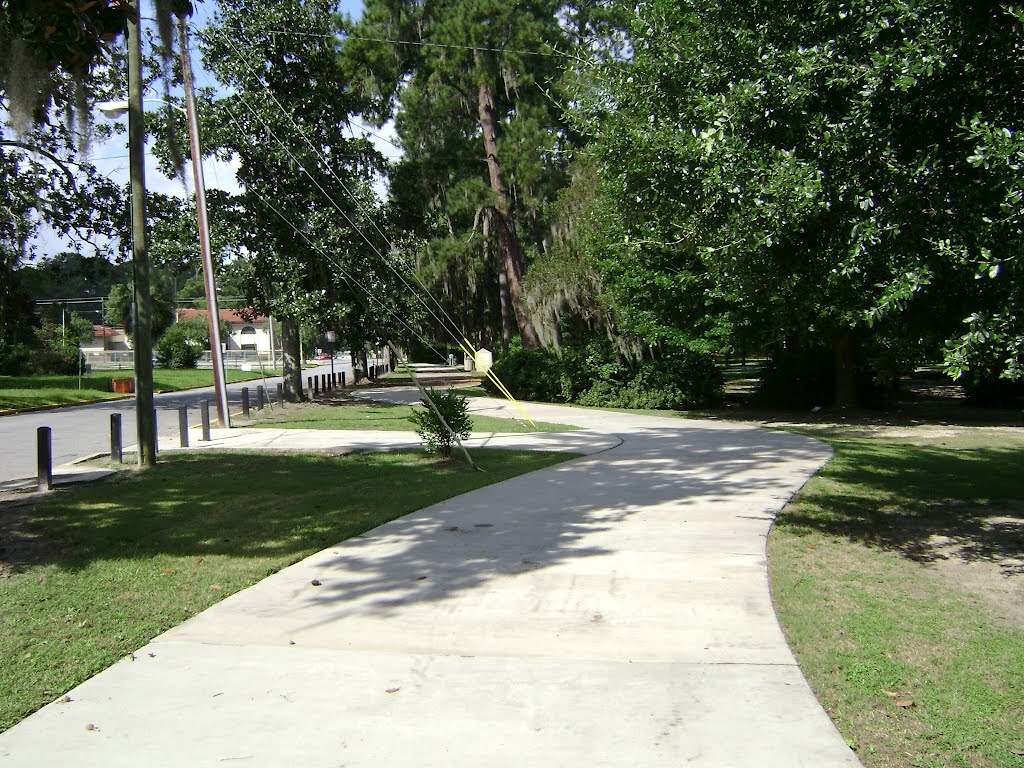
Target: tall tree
(819, 172)
(305, 178)
(469, 82)
(45, 46)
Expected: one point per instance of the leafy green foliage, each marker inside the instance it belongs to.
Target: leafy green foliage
(831, 174)
(54, 348)
(183, 343)
(680, 380)
(72, 274)
(118, 307)
(316, 254)
(594, 375)
(13, 358)
(478, 89)
(532, 374)
(434, 433)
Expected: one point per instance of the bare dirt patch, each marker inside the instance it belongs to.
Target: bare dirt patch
(985, 559)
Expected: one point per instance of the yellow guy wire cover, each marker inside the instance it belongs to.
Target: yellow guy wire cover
(470, 350)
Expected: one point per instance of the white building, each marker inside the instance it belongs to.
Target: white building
(248, 331)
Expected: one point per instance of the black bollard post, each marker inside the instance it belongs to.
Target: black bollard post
(342, 378)
(204, 410)
(280, 395)
(245, 402)
(323, 382)
(316, 386)
(261, 394)
(183, 426)
(44, 460)
(116, 446)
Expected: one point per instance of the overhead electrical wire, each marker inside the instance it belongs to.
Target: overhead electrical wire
(361, 209)
(553, 53)
(360, 293)
(451, 327)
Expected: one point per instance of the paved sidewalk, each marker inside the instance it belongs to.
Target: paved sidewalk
(610, 611)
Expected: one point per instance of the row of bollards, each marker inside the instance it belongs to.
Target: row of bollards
(44, 442)
(262, 398)
(325, 382)
(44, 436)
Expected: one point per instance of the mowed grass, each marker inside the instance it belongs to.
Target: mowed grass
(380, 416)
(116, 563)
(18, 392)
(915, 668)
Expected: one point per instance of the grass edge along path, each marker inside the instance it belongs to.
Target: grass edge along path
(389, 417)
(914, 670)
(40, 392)
(116, 563)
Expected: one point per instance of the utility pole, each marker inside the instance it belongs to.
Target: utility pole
(209, 277)
(143, 330)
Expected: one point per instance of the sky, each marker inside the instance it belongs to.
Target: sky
(111, 157)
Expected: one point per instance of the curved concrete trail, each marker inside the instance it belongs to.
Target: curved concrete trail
(609, 611)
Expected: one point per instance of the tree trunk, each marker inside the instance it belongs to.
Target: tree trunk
(362, 365)
(291, 360)
(508, 323)
(508, 242)
(846, 372)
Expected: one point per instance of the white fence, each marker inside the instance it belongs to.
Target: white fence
(106, 361)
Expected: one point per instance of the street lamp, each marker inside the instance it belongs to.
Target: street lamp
(331, 337)
(115, 109)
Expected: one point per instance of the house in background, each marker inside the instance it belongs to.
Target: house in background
(109, 348)
(106, 338)
(248, 331)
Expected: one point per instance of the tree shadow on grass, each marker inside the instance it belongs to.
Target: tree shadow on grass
(240, 505)
(928, 504)
(287, 506)
(691, 488)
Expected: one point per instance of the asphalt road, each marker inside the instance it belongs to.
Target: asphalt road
(85, 429)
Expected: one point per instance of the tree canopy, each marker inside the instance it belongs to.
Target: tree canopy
(311, 247)
(829, 174)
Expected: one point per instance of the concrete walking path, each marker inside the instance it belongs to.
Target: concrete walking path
(609, 611)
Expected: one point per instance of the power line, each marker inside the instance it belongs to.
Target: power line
(553, 53)
(348, 278)
(301, 133)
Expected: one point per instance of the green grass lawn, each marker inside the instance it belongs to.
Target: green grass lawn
(109, 566)
(379, 416)
(18, 392)
(891, 573)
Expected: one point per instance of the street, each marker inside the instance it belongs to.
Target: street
(85, 429)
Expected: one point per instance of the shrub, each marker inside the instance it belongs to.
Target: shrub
(678, 380)
(531, 374)
(591, 375)
(435, 435)
(183, 344)
(58, 360)
(14, 358)
(178, 348)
